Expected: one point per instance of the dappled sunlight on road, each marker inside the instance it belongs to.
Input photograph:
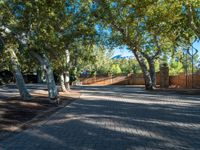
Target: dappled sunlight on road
(119, 122)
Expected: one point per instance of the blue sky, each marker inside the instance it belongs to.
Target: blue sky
(125, 52)
(122, 51)
(197, 46)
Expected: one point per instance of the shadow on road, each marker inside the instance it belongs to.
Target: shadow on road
(111, 122)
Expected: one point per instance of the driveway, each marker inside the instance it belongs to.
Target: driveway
(118, 118)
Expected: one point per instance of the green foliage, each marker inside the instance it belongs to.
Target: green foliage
(98, 60)
(115, 69)
(175, 67)
(4, 61)
(128, 65)
(147, 27)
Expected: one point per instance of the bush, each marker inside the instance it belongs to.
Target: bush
(115, 69)
(6, 77)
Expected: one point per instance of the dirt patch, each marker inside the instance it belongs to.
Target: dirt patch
(17, 115)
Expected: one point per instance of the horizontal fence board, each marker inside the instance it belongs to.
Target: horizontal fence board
(178, 81)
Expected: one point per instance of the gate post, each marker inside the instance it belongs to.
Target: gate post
(164, 76)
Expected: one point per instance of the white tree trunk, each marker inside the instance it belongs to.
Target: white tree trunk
(53, 92)
(18, 76)
(62, 83)
(152, 71)
(146, 73)
(44, 62)
(66, 74)
(66, 79)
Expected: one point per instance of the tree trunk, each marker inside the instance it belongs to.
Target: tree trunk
(152, 72)
(19, 77)
(193, 25)
(40, 76)
(66, 74)
(62, 83)
(146, 73)
(66, 78)
(44, 62)
(53, 91)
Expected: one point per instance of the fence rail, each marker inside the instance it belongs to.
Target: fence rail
(177, 81)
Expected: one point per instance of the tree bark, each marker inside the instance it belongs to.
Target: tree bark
(150, 61)
(146, 73)
(44, 62)
(66, 73)
(152, 71)
(66, 79)
(40, 76)
(192, 23)
(18, 76)
(62, 83)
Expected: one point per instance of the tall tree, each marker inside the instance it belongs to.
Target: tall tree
(192, 12)
(148, 28)
(38, 26)
(9, 38)
(78, 25)
(139, 26)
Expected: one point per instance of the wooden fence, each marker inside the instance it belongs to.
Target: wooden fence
(178, 81)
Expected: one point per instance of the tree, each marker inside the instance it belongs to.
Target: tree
(9, 39)
(149, 29)
(141, 27)
(40, 34)
(78, 25)
(115, 69)
(94, 58)
(176, 67)
(192, 13)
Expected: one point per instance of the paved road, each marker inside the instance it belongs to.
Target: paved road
(7, 91)
(118, 118)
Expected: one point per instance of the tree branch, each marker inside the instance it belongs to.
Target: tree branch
(158, 46)
(191, 20)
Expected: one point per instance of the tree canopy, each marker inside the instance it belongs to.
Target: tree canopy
(72, 35)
